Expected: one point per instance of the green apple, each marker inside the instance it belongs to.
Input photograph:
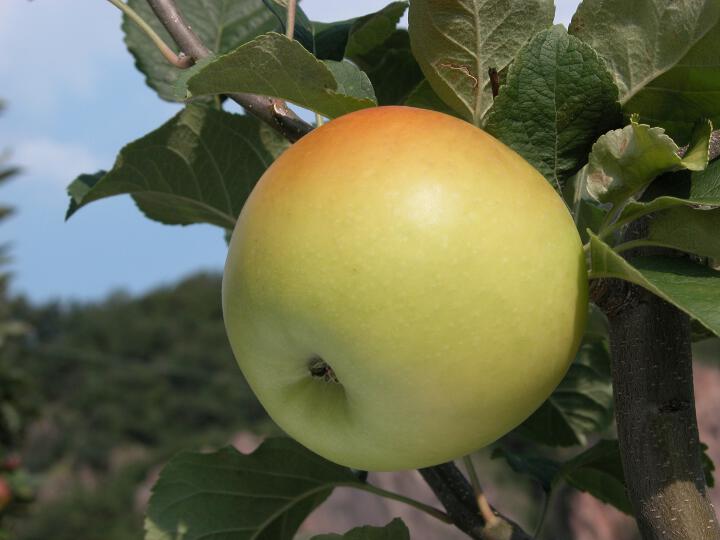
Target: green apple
(402, 289)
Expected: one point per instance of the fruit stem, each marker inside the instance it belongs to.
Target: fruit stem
(179, 61)
(484, 507)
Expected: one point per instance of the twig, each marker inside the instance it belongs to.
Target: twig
(274, 112)
(456, 495)
(181, 61)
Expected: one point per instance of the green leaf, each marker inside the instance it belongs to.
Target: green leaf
(275, 66)
(702, 192)
(687, 229)
(456, 42)
(350, 38)
(540, 469)
(598, 471)
(623, 162)
(664, 55)
(395, 530)
(392, 69)
(199, 167)
(262, 496)
(582, 403)
(693, 288)
(705, 185)
(424, 97)
(558, 99)
(371, 31)
(304, 29)
(221, 26)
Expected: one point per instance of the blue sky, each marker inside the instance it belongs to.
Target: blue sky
(74, 99)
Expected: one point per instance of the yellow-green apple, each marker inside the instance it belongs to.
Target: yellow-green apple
(401, 289)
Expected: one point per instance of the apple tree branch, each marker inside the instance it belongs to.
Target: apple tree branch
(272, 111)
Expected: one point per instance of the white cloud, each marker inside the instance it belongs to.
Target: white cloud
(56, 48)
(57, 162)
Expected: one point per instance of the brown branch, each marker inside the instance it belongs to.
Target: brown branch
(655, 408)
(458, 498)
(272, 111)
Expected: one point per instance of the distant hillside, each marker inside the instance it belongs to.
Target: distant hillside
(120, 385)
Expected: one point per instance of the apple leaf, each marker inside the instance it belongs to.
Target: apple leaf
(424, 97)
(371, 31)
(395, 530)
(456, 42)
(582, 403)
(664, 55)
(392, 68)
(222, 26)
(701, 190)
(275, 66)
(707, 465)
(598, 471)
(540, 469)
(199, 167)
(341, 39)
(558, 99)
(625, 161)
(693, 288)
(265, 495)
(686, 229)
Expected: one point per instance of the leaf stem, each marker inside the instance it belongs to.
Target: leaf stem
(543, 515)
(632, 244)
(483, 505)
(430, 510)
(179, 61)
(291, 11)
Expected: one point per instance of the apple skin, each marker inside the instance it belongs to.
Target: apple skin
(434, 270)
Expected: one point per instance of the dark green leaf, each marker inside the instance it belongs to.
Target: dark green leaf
(558, 99)
(395, 530)
(371, 31)
(262, 496)
(687, 229)
(598, 471)
(540, 469)
(456, 42)
(392, 69)
(702, 190)
(424, 97)
(222, 26)
(304, 29)
(664, 55)
(582, 403)
(707, 465)
(197, 168)
(273, 65)
(693, 288)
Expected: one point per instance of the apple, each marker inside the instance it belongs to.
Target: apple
(401, 289)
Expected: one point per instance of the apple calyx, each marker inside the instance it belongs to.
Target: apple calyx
(320, 369)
